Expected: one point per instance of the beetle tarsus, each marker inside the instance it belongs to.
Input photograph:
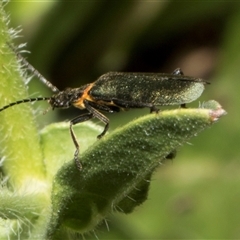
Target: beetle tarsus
(104, 131)
(178, 71)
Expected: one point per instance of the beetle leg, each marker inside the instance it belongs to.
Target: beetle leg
(128, 104)
(178, 71)
(154, 109)
(183, 105)
(81, 118)
(99, 116)
(172, 154)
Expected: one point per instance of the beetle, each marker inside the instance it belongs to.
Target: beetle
(116, 91)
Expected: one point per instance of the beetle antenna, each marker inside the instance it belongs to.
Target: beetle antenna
(25, 101)
(34, 71)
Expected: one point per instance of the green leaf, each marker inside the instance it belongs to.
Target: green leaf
(24, 160)
(25, 195)
(117, 169)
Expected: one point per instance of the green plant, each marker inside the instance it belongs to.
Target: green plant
(44, 196)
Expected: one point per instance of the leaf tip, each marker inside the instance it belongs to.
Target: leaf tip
(216, 110)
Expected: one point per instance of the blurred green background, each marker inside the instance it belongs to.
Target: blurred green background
(196, 195)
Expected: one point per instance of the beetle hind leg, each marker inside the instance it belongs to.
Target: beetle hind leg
(183, 105)
(154, 109)
(178, 71)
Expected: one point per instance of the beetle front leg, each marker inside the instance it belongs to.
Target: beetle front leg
(79, 119)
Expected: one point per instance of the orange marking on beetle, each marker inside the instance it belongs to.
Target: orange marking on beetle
(79, 103)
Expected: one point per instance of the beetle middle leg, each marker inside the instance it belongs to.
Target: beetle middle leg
(98, 115)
